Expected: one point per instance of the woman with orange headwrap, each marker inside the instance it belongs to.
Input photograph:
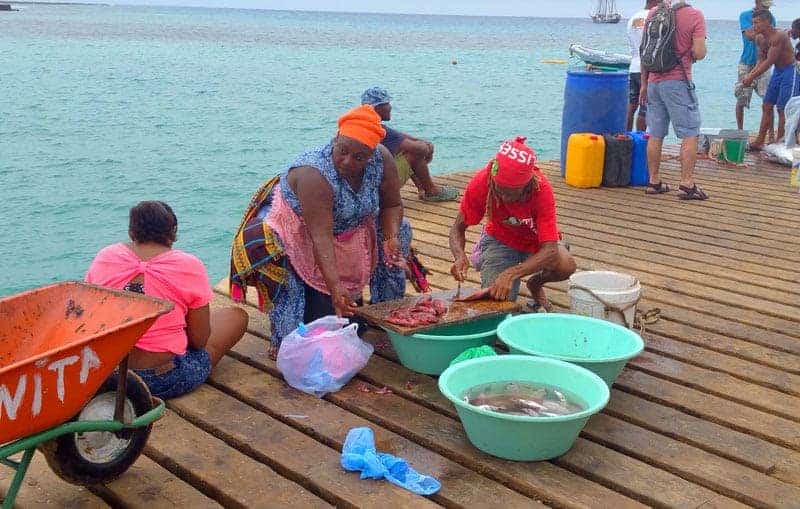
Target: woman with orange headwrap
(309, 242)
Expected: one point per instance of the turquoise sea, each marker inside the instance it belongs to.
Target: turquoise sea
(101, 107)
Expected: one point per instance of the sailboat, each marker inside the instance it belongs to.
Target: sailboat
(606, 12)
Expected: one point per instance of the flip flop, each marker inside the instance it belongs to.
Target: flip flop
(446, 193)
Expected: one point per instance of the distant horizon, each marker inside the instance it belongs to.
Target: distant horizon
(569, 9)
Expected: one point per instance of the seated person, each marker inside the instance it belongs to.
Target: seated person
(177, 353)
(412, 155)
(521, 237)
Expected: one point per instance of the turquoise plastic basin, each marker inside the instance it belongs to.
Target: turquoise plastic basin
(518, 437)
(597, 345)
(432, 352)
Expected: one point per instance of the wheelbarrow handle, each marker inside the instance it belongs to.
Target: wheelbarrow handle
(145, 419)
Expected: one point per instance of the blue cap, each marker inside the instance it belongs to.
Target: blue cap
(375, 96)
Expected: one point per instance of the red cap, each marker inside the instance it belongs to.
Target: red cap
(514, 163)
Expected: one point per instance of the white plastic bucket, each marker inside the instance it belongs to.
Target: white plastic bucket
(606, 295)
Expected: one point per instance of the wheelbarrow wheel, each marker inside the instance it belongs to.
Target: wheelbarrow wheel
(99, 457)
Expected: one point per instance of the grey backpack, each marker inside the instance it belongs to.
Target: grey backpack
(658, 40)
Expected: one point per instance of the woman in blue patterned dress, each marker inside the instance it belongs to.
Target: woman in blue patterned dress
(328, 225)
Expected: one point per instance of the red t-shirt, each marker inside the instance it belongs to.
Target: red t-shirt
(523, 225)
(689, 25)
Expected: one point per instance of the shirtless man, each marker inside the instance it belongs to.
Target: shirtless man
(781, 87)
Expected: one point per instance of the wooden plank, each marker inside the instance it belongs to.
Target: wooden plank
(583, 200)
(735, 369)
(740, 447)
(445, 436)
(742, 201)
(719, 474)
(715, 317)
(766, 301)
(757, 454)
(743, 448)
(745, 362)
(736, 416)
(582, 235)
(148, 485)
(42, 488)
(728, 342)
(720, 384)
(723, 218)
(568, 218)
(767, 426)
(618, 471)
(457, 312)
(731, 191)
(221, 472)
(768, 376)
(461, 487)
(293, 454)
(687, 283)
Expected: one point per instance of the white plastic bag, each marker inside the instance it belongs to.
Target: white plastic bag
(792, 112)
(322, 356)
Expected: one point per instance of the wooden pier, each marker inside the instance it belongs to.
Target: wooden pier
(708, 416)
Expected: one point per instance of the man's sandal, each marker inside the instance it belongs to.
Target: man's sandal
(691, 193)
(659, 188)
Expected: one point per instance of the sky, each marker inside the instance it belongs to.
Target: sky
(713, 9)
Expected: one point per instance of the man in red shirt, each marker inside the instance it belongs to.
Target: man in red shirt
(521, 237)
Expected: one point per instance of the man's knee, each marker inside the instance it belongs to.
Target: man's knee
(563, 266)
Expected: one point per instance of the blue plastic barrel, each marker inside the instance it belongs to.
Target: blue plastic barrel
(640, 173)
(594, 102)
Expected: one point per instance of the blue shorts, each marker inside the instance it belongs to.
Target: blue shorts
(672, 101)
(781, 87)
(189, 372)
(496, 257)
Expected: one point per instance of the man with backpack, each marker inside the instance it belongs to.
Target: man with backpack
(674, 37)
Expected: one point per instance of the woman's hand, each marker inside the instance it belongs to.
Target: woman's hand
(343, 304)
(460, 268)
(501, 288)
(392, 255)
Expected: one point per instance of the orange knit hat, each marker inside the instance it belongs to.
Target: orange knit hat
(362, 123)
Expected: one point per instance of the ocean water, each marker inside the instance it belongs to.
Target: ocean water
(101, 107)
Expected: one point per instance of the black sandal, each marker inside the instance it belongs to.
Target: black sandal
(692, 193)
(659, 188)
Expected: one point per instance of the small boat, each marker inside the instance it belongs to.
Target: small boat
(599, 58)
(606, 12)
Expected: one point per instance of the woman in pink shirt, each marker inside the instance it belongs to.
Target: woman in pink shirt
(177, 353)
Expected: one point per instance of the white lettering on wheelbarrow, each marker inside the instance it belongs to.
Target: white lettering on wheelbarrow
(11, 404)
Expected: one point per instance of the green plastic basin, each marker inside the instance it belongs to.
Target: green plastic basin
(600, 346)
(432, 352)
(518, 437)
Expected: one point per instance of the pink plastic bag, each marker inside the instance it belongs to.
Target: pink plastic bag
(322, 356)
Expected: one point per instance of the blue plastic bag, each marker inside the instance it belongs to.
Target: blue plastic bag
(359, 454)
(321, 356)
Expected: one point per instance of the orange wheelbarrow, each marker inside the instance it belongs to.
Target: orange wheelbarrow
(60, 389)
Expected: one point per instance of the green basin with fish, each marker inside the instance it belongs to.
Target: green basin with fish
(432, 352)
(522, 437)
(597, 345)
